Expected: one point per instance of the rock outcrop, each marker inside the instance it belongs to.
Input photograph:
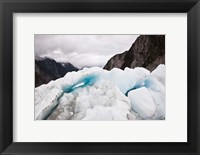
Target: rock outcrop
(147, 51)
(47, 69)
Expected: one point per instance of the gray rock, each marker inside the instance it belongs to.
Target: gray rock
(47, 69)
(147, 51)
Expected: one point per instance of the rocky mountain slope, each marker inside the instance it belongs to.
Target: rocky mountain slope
(47, 69)
(147, 51)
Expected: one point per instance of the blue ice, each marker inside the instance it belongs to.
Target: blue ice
(88, 80)
(142, 83)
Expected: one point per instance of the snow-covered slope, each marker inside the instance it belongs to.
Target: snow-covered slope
(98, 94)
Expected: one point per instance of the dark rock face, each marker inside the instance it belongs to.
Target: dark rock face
(147, 51)
(48, 69)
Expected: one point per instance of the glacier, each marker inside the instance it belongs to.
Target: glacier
(97, 94)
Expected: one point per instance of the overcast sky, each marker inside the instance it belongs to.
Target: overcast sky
(82, 50)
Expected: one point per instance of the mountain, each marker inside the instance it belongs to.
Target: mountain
(69, 67)
(47, 69)
(147, 51)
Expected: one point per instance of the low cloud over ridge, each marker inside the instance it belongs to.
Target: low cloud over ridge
(82, 50)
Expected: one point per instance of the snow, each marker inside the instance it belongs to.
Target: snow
(98, 94)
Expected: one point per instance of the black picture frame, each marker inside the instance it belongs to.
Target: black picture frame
(8, 7)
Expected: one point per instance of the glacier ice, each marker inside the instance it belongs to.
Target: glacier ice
(159, 73)
(98, 94)
(44, 104)
(87, 80)
(142, 102)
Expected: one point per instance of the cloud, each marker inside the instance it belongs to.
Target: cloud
(58, 51)
(82, 50)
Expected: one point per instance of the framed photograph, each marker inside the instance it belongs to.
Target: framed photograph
(99, 77)
(89, 82)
